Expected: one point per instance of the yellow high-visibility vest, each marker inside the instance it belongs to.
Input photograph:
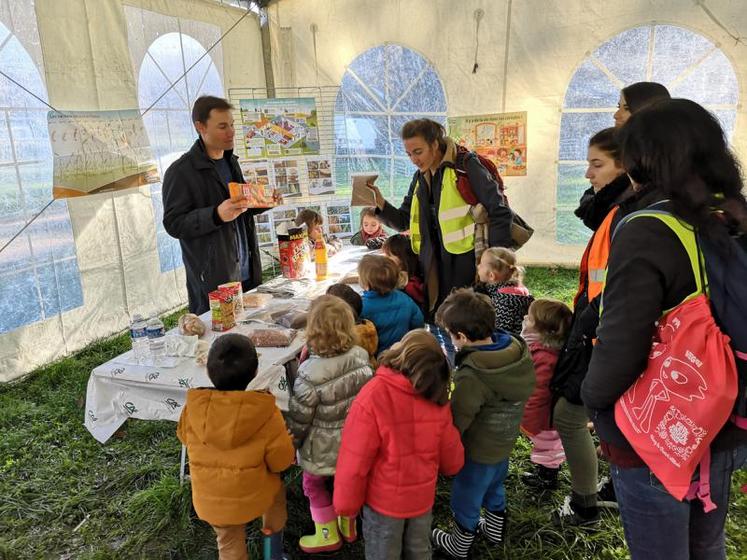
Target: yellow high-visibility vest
(454, 218)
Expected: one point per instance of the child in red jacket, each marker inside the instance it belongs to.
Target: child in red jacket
(398, 436)
(544, 329)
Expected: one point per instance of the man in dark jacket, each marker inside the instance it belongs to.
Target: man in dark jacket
(216, 234)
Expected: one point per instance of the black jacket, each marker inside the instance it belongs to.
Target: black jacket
(192, 192)
(648, 271)
(573, 361)
(454, 271)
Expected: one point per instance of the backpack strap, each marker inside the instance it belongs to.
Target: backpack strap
(701, 488)
(687, 236)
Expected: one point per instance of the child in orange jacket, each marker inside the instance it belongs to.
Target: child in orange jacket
(238, 445)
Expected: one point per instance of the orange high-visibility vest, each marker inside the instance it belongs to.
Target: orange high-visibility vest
(593, 269)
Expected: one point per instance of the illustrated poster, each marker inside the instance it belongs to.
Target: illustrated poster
(501, 138)
(320, 176)
(339, 219)
(256, 172)
(98, 151)
(279, 127)
(287, 180)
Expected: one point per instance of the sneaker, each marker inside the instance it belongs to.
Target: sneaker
(573, 515)
(606, 494)
(542, 479)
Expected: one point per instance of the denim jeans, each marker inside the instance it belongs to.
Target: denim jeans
(477, 486)
(657, 526)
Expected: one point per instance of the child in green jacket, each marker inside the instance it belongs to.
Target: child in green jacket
(493, 379)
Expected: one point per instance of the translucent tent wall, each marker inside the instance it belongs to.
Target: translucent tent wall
(561, 61)
(88, 263)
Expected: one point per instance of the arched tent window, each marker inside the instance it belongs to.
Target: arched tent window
(169, 122)
(688, 64)
(39, 275)
(381, 90)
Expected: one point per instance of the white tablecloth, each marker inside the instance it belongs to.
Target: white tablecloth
(118, 389)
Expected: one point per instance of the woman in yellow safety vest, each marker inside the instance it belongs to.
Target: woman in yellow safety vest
(441, 223)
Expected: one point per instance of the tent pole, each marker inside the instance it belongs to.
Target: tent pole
(264, 27)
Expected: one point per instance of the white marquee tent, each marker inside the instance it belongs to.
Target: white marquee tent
(79, 271)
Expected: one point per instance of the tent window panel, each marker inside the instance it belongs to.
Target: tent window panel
(169, 122)
(29, 292)
(688, 64)
(382, 89)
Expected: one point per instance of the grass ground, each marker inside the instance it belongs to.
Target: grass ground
(65, 496)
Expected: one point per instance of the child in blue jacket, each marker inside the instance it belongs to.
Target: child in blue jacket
(392, 311)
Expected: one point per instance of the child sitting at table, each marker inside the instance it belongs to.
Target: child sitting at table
(398, 248)
(238, 445)
(313, 221)
(392, 311)
(325, 387)
(371, 233)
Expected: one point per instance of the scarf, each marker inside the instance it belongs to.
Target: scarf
(375, 235)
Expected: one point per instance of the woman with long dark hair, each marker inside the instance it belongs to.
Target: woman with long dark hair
(676, 154)
(635, 97)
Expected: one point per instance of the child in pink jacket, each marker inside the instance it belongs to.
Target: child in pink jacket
(545, 329)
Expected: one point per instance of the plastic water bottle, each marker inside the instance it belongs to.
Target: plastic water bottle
(139, 337)
(156, 332)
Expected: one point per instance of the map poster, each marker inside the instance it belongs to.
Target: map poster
(99, 151)
(501, 138)
(287, 181)
(279, 127)
(320, 176)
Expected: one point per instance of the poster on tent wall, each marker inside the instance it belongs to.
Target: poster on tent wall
(501, 137)
(287, 180)
(258, 172)
(99, 151)
(279, 127)
(320, 176)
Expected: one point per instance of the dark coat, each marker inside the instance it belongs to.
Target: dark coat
(648, 271)
(454, 271)
(192, 192)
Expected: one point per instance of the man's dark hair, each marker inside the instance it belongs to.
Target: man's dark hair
(467, 312)
(202, 107)
(232, 362)
(349, 295)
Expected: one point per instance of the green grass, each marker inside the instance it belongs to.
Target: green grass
(65, 496)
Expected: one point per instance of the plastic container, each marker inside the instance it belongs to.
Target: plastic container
(139, 338)
(320, 259)
(156, 332)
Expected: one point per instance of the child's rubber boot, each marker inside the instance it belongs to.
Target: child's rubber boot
(272, 546)
(456, 544)
(493, 526)
(348, 528)
(325, 539)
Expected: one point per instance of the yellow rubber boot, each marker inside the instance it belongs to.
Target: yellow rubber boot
(348, 528)
(325, 539)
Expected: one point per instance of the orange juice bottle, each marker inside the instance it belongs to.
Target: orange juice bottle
(320, 257)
